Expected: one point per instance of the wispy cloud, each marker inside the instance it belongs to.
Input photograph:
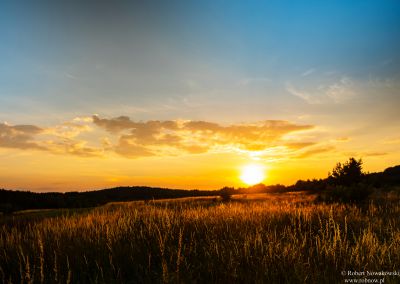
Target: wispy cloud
(342, 139)
(341, 90)
(308, 72)
(309, 98)
(337, 92)
(253, 80)
(366, 153)
(374, 154)
(394, 140)
(315, 151)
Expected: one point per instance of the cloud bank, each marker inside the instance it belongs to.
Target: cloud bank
(96, 137)
(173, 136)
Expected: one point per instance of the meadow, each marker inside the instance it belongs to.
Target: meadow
(264, 238)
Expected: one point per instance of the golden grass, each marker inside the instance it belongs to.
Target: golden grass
(276, 239)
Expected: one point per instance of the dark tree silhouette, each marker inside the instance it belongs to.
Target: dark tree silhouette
(348, 173)
(226, 193)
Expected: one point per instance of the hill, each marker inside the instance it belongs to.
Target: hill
(21, 200)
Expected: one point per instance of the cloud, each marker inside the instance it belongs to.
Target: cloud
(309, 98)
(336, 92)
(67, 130)
(59, 139)
(315, 151)
(126, 147)
(173, 136)
(73, 147)
(299, 145)
(308, 72)
(374, 154)
(115, 124)
(341, 90)
(395, 140)
(253, 80)
(342, 139)
(19, 136)
(366, 154)
(134, 139)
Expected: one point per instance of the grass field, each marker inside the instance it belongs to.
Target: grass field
(282, 238)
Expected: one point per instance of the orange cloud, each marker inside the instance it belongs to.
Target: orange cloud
(315, 151)
(19, 136)
(134, 139)
(57, 140)
(152, 137)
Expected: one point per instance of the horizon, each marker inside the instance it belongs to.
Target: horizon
(190, 95)
(243, 186)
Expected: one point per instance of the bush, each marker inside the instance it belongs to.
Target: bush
(226, 193)
(347, 194)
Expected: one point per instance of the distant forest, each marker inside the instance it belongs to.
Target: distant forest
(345, 182)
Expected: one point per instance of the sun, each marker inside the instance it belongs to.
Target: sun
(252, 174)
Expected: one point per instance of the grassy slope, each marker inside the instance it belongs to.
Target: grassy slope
(277, 239)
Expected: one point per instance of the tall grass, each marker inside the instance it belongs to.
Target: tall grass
(277, 240)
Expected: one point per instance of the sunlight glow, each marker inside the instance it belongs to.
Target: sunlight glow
(252, 174)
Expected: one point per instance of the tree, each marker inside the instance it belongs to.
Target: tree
(348, 173)
(226, 193)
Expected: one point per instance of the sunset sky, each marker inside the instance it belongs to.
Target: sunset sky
(185, 94)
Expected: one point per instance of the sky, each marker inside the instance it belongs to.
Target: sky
(184, 94)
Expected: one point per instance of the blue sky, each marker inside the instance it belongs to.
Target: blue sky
(328, 68)
(79, 57)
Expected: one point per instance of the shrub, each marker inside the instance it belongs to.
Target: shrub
(347, 194)
(226, 193)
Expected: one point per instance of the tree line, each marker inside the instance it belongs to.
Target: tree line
(345, 183)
